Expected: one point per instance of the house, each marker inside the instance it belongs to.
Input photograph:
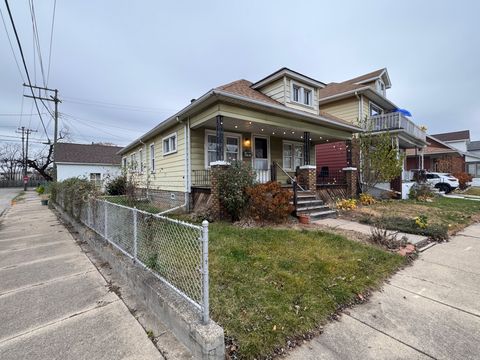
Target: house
(460, 140)
(94, 162)
(363, 99)
(273, 124)
(437, 156)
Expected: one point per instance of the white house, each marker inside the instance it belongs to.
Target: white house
(94, 162)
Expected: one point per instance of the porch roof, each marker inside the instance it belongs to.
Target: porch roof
(245, 99)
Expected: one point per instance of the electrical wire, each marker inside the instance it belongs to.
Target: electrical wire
(51, 40)
(25, 66)
(112, 105)
(36, 40)
(11, 46)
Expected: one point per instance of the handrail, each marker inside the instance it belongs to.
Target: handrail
(292, 179)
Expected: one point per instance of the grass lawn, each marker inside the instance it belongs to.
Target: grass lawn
(472, 191)
(458, 213)
(270, 285)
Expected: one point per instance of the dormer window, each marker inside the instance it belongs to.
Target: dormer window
(380, 87)
(302, 95)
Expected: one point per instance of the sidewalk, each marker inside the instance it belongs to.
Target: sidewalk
(427, 311)
(366, 229)
(54, 302)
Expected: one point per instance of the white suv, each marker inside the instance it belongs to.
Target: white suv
(442, 181)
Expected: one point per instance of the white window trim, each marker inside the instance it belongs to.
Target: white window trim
(125, 162)
(293, 143)
(152, 158)
(378, 86)
(133, 162)
(225, 135)
(140, 161)
(370, 104)
(302, 89)
(176, 144)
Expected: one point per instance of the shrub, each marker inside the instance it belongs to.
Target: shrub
(433, 231)
(421, 221)
(74, 192)
(421, 192)
(347, 204)
(367, 199)
(117, 186)
(381, 236)
(232, 184)
(463, 179)
(269, 202)
(40, 189)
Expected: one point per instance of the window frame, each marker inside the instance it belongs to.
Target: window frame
(301, 93)
(152, 157)
(97, 182)
(293, 144)
(140, 160)
(225, 135)
(168, 138)
(125, 162)
(372, 105)
(133, 162)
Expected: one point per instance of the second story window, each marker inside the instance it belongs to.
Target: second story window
(302, 95)
(375, 110)
(380, 87)
(170, 144)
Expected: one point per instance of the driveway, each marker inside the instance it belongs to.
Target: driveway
(6, 196)
(430, 310)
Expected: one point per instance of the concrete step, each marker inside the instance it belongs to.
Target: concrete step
(307, 209)
(301, 203)
(322, 214)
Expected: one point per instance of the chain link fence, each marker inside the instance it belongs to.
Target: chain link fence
(174, 251)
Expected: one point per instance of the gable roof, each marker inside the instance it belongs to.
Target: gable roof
(284, 71)
(368, 77)
(87, 154)
(453, 136)
(473, 145)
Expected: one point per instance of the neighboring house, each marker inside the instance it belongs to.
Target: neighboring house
(364, 100)
(460, 140)
(94, 162)
(438, 156)
(272, 124)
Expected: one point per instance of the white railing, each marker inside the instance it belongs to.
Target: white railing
(394, 121)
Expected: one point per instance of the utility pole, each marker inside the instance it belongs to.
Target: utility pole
(25, 133)
(24, 161)
(56, 100)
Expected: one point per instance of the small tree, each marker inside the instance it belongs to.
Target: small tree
(232, 188)
(381, 160)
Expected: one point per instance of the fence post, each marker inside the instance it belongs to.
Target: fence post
(206, 307)
(89, 214)
(135, 233)
(105, 227)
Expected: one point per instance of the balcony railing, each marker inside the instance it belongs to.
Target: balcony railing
(394, 121)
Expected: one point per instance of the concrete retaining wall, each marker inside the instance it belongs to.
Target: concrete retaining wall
(204, 341)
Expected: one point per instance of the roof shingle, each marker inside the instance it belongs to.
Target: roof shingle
(453, 136)
(87, 154)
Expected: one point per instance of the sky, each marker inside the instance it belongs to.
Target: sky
(121, 67)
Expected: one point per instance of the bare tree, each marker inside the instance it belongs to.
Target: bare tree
(42, 160)
(11, 160)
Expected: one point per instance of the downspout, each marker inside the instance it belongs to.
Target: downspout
(186, 130)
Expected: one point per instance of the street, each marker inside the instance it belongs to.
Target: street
(6, 196)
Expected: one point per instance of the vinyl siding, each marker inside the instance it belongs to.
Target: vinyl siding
(346, 109)
(276, 90)
(331, 155)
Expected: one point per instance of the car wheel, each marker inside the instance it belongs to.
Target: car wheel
(445, 188)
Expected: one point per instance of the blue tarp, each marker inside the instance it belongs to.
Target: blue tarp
(404, 112)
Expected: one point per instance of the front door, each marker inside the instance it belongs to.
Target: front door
(261, 158)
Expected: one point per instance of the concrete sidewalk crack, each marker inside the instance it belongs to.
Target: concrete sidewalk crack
(6, 340)
(392, 337)
(451, 267)
(437, 301)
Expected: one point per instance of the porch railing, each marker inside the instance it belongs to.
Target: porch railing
(201, 178)
(394, 121)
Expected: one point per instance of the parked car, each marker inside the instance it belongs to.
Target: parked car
(442, 181)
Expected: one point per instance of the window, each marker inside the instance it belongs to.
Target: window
(133, 162)
(96, 178)
(170, 144)
(292, 155)
(140, 153)
(152, 157)
(380, 87)
(375, 110)
(302, 95)
(124, 161)
(231, 148)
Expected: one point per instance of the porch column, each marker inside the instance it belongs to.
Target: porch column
(348, 148)
(219, 134)
(306, 148)
(351, 177)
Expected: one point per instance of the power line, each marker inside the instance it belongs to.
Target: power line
(21, 114)
(25, 65)
(11, 46)
(113, 105)
(93, 127)
(51, 41)
(36, 40)
(98, 123)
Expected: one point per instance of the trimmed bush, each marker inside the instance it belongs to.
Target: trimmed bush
(463, 179)
(117, 186)
(269, 202)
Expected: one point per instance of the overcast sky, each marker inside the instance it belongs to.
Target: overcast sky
(122, 66)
